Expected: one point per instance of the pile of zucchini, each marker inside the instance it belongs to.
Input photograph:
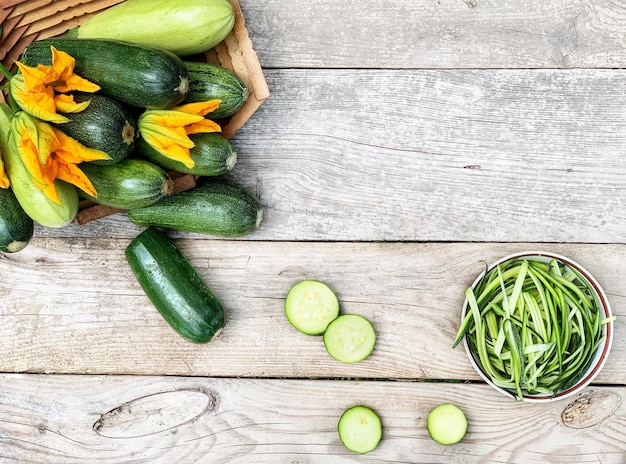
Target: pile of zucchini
(148, 64)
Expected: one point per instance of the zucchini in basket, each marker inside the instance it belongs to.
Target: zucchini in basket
(105, 125)
(212, 155)
(184, 27)
(209, 82)
(141, 76)
(174, 287)
(131, 183)
(213, 208)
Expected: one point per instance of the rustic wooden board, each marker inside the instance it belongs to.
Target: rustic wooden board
(429, 155)
(438, 34)
(74, 307)
(78, 419)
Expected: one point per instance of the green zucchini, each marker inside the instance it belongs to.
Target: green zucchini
(184, 27)
(209, 82)
(174, 287)
(35, 203)
(131, 183)
(212, 154)
(138, 75)
(104, 125)
(219, 209)
(16, 227)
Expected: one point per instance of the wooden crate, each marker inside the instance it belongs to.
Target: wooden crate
(24, 21)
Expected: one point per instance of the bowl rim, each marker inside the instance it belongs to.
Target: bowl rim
(602, 352)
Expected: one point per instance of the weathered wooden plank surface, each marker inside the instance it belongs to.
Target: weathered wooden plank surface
(74, 307)
(112, 419)
(438, 34)
(466, 155)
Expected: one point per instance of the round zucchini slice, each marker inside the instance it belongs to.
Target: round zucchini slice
(310, 306)
(447, 424)
(350, 338)
(360, 429)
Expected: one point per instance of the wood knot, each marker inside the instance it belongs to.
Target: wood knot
(590, 408)
(156, 413)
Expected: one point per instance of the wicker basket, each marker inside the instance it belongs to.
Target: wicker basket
(24, 21)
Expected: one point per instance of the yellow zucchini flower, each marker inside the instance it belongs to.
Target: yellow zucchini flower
(167, 131)
(49, 154)
(4, 179)
(40, 90)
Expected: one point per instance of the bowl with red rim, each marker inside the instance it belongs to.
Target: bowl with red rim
(544, 339)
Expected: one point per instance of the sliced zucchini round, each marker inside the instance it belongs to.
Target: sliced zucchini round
(350, 338)
(360, 429)
(447, 424)
(310, 306)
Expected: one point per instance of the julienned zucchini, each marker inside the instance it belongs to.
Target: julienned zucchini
(138, 75)
(209, 82)
(219, 209)
(16, 227)
(212, 154)
(105, 125)
(174, 287)
(131, 183)
(33, 201)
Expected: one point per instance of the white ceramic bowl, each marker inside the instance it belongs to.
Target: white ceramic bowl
(601, 354)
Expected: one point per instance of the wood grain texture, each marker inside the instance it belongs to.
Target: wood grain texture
(78, 419)
(438, 34)
(428, 155)
(74, 307)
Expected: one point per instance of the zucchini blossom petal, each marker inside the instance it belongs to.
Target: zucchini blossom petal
(41, 90)
(167, 131)
(49, 154)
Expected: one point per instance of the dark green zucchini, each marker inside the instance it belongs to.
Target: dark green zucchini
(219, 209)
(16, 227)
(131, 183)
(134, 74)
(174, 287)
(212, 154)
(209, 82)
(105, 125)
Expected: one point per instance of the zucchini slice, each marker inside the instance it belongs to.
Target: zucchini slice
(360, 429)
(350, 338)
(310, 306)
(447, 424)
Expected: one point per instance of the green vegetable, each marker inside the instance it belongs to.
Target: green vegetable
(184, 27)
(131, 183)
(310, 306)
(16, 227)
(219, 209)
(105, 125)
(360, 429)
(350, 338)
(35, 203)
(213, 155)
(533, 327)
(174, 287)
(447, 424)
(209, 82)
(137, 75)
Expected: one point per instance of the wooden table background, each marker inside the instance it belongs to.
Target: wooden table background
(404, 142)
